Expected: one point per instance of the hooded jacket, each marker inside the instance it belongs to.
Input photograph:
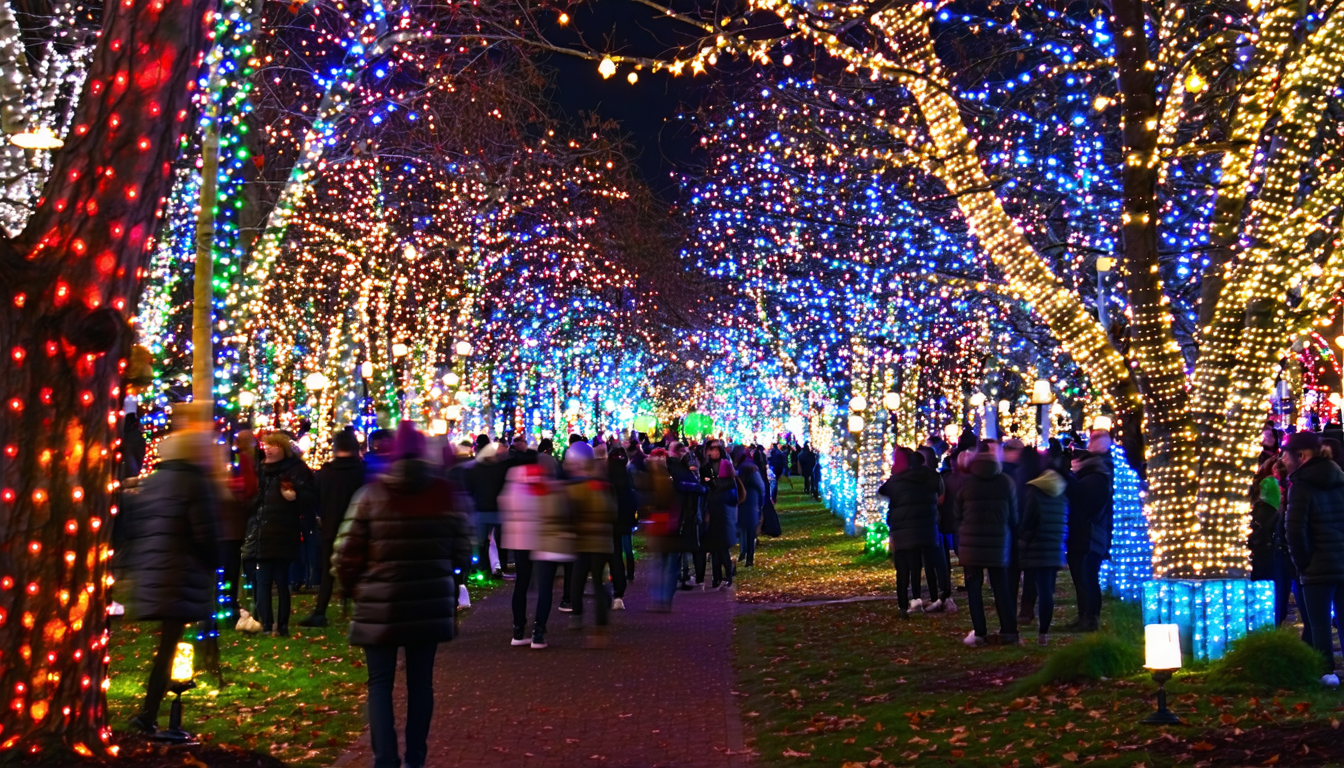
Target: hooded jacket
(398, 547)
(986, 512)
(1314, 522)
(912, 507)
(689, 491)
(172, 542)
(1045, 522)
(1090, 517)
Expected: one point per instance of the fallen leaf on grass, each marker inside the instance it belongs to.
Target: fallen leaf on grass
(794, 753)
(1072, 757)
(1202, 746)
(1273, 760)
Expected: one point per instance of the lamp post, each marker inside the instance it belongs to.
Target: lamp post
(181, 681)
(1104, 266)
(978, 404)
(1162, 654)
(1042, 398)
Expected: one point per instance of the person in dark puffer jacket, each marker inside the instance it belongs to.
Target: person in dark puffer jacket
(172, 555)
(1314, 523)
(1090, 521)
(404, 537)
(1045, 526)
(285, 493)
(912, 496)
(986, 511)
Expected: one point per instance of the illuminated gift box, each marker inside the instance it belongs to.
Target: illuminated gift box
(1211, 613)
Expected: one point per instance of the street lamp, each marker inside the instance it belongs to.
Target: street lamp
(858, 403)
(892, 402)
(1042, 398)
(246, 399)
(1162, 654)
(315, 381)
(366, 369)
(42, 138)
(978, 404)
(463, 349)
(183, 670)
(855, 423)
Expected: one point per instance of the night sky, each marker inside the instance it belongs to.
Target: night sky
(647, 110)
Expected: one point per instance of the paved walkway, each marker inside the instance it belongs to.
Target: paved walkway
(659, 697)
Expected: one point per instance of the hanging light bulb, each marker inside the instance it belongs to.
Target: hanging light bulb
(607, 68)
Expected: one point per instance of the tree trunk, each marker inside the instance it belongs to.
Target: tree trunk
(68, 280)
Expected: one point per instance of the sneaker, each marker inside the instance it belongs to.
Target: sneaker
(728, 584)
(685, 587)
(565, 606)
(933, 606)
(1042, 639)
(143, 724)
(1002, 639)
(916, 606)
(1077, 625)
(949, 605)
(718, 585)
(691, 581)
(518, 637)
(313, 620)
(538, 640)
(282, 632)
(1330, 681)
(973, 639)
(618, 604)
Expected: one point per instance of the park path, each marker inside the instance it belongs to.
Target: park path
(659, 697)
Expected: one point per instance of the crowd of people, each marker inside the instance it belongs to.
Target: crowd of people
(1012, 515)
(399, 535)
(1017, 516)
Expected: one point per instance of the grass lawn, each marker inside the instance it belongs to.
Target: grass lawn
(298, 699)
(853, 684)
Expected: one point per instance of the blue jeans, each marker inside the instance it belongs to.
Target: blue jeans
(273, 572)
(382, 661)
(665, 579)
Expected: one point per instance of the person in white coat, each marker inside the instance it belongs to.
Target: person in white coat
(532, 518)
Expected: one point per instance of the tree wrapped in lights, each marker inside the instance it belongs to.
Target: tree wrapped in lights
(1193, 84)
(67, 278)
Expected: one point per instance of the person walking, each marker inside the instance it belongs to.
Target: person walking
(807, 463)
(234, 509)
(172, 553)
(337, 481)
(485, 484)
(660, 517)
(398, 555)
(912, 493)
(1314, 523)
(749, 510)
(594, 515)
(986, 512)
(284, 490)
(1090, 519)
(627, 508)
(725, 493)
(529, 499)
(1041, 545)
(689, 494)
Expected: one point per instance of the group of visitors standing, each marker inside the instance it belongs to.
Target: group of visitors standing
(1011, 515)
(1297, 532)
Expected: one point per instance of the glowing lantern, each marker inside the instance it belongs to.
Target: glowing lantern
(366, 369)
(607, 68)
(463, 349)
(42, 138)
(315, 381)
(858, 403)
(855, 423)
(891, 401)
(1162, 654)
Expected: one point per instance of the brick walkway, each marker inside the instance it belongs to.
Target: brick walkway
(659, 697)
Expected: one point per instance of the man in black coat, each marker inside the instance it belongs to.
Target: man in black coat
(912, 495)
(1090, 521)
(336, 482)
(172, 555)
(807, 462)
(1314, 523)
(986, 513)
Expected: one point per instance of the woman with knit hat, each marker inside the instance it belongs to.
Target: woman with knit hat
(403, 542)
(285, 492)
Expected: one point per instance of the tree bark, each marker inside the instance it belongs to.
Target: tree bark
(69, 279)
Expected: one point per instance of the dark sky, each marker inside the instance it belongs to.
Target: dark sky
(647, 110)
